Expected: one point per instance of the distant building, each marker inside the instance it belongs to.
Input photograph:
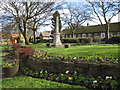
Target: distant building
(45, 35)
(92, 31)
(16, 35)
(7, 37)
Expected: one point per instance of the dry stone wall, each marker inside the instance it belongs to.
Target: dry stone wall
(85, 68)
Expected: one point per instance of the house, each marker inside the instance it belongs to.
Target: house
(6, 38)
(45, 35)
(17, 36)
(92, 31)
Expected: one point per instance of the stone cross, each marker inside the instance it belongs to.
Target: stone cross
(57, 41)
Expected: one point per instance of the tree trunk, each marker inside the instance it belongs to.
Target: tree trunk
(107, 31)
(23, 31)
(26, 40)
(73, 35)
(34, 39)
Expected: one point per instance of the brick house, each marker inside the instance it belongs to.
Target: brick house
(6, 37)
(93, 31)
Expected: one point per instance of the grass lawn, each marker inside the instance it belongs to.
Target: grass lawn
(29, 82)
(81, 50)
(77, 50)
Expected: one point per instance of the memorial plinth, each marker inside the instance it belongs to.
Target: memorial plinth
(56, 40)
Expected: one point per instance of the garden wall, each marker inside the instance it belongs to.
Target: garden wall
(62, 67)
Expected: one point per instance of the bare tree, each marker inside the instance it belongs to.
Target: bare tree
(35, 23)
(23, 12)
(40, 20)
(7, 27)
(77, 15)
(105, 11)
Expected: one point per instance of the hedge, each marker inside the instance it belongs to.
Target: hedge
(114, 40)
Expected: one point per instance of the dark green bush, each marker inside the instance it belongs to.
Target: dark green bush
(38, 41)
(44, 41)
(77, 40)
(48, 44)
(37, 37)
(114, 40)
(70, 40)
(47, 41)
(21, 41)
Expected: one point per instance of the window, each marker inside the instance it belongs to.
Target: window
(89, 35)
(102, 35)
(79, 35)
(95, 34)
(83, 35)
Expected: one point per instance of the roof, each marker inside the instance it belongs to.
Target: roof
(8, 35)
(92, 29)
(47, 34)
(14, 35)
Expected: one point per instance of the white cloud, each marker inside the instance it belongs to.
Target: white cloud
(96, 22)
(116, 18)
(43, 29)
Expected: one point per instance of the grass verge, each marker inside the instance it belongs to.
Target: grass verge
(29, 82)
(82, 50)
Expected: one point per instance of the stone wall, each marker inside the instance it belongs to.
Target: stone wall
(62, 67)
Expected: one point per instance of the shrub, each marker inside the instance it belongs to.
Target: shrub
(96, 39)
(103, 39)
(16, 46)
(44, 41)
(37, 37)
(38, 41)
(25, 51)
(81, 40)
(87, 40)
(70, 40)
(114, 40)
(31, 40)
(21, 41)
(48, 44)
